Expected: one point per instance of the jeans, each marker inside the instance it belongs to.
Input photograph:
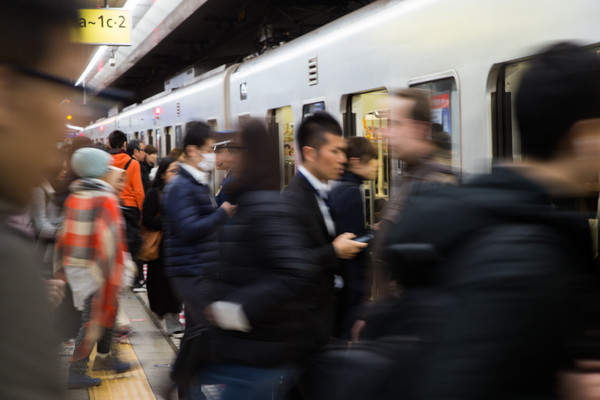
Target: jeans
(243, 382)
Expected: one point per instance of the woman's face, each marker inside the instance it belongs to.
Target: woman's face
(171, 171)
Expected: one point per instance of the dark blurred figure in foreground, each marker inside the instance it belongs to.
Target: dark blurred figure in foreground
(504, 270)
(264, 287)
(31, 123)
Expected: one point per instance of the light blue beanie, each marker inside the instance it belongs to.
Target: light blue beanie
(89, 162)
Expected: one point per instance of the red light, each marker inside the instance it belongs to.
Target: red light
(157, 110)
(101, 128)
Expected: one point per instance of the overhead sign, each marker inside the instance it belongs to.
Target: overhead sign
(103, 26)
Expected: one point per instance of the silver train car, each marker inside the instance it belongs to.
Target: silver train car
(470, 54)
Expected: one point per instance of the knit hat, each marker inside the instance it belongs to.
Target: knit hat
(90, 162)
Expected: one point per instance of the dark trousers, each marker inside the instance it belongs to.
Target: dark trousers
(83, 355)
(195, 292)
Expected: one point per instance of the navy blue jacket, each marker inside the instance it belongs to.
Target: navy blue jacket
(190, 227)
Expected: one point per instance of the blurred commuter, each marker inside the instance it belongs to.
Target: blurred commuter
(31, 124)
(136, 150)
(424, 157)
(347, 205)
(150, 165)
(226, 161)
(90, 253)
(160, 295)
(132, 198)
(190, 221)
(265, 287)
(510, 274)
(177, 153)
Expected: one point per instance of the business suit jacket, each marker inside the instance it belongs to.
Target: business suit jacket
(300, 197)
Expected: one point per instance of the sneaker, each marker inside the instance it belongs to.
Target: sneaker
(139, 287)
(177, 334)
(110, 363)
(81, 380)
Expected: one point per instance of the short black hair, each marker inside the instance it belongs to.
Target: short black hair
(196, 134)
(561, 87)
(133, 145)
(32, 20)
(116, 139)
(313, 128)
(422, 102)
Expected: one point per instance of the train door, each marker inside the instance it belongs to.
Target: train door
(178, 136)
(280, 123)
(366, 116)
(159, 142)
(151, 137)
(168, 139)
(445, 122)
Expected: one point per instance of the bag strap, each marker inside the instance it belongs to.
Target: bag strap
(128, 162)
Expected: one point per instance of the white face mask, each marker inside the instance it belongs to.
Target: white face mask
(208, 163)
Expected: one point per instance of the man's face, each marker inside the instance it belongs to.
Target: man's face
(328, 161)
(140, 155)
(225, 159)
(151, 158)
(406, 136)
(32, 119)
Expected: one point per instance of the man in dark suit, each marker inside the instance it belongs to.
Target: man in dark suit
(322, 149)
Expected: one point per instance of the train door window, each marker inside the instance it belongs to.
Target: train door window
(243, 118)
(168, 144)
(159, 144)
(445, 128)
(150, 137)
(505, 131)
(178, 136)
(310, 109)
(366, 116)
(213, 124)
(136, 135)
(281, 126)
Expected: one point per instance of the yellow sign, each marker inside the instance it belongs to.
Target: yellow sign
(103, 26)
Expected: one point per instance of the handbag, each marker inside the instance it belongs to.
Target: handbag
(150, 244)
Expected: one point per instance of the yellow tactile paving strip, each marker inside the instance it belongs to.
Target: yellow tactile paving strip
(132, 384)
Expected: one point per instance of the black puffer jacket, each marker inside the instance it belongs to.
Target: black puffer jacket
(515, 268)
(267, 272)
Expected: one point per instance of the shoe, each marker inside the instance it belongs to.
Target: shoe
(81, 380)
(124, 332)
(139, 287)
(110, 363)
(177, 334)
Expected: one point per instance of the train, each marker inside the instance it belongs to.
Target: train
(469, 54)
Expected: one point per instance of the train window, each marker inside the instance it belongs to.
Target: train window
(178, 136)
(367, 115)
(281, 125)
(444, 118)
(151, 138)
(310, 109)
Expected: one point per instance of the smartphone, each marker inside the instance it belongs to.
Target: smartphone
(364, 238)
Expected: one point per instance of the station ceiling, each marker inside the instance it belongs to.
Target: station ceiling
(220, 32)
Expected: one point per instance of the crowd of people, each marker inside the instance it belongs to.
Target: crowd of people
(472, 287)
